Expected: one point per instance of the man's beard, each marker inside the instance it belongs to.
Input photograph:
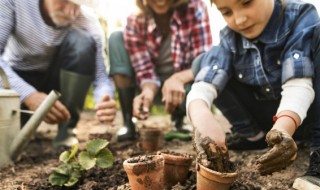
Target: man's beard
(61, 20)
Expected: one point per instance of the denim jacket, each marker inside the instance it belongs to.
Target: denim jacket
(282, 52)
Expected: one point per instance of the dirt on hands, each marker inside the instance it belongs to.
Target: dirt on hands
(282, 154)
(211, 155)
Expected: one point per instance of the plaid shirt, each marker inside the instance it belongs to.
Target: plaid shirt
(190, 36)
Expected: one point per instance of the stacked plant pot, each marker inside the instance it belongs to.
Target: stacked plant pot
(176, 168)
(150, 139)
(145, 172)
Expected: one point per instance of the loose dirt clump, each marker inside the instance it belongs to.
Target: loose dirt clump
(217, 158)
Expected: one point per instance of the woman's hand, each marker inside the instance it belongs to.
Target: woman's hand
(173, 93)
(143, 102)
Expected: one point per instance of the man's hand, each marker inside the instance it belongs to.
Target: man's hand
(58, 112)
(106, 110)
(173, 93)
(142, 103)
(281, 155)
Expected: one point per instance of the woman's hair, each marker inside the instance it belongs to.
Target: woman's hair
(144, 8)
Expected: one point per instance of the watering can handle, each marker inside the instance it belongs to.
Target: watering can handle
(4, 77)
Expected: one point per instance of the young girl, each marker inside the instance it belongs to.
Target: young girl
(262, 69)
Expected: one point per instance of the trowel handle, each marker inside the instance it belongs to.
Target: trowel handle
(5, 82)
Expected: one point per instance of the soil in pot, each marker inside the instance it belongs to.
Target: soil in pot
(145, 172)
(176, 167)
(216, 172)
(150, 139)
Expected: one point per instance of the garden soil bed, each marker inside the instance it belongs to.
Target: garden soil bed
(32, 169)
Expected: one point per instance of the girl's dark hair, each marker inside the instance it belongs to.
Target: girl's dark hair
(144, 7)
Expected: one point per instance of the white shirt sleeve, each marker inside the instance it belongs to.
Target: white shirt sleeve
(203, 91)
(297, 96)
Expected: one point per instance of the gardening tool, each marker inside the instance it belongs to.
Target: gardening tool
(13, 138)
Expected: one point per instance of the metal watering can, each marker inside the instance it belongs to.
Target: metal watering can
(13, 139)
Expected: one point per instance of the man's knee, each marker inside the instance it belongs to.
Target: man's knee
(79, 48)
(80, 41)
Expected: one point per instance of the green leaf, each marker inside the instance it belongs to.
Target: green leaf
(86, 161)
(74, 151)
(63, 169)
(94, 146)
(64, 157)
(76, 174)
(75, 165)
(71, 182)
(58, 179)
(74, 178)
(104, 158)
(67, 156)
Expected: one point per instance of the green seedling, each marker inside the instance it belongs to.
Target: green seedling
(72, 167)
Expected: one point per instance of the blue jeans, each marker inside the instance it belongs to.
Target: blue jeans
(77, 54)
(248, 114)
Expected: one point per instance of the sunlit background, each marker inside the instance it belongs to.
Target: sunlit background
(114, 12)
(117, 11)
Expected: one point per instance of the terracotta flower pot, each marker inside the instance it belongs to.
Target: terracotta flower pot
(145, 172)
(150, 138)
(212, 180)
(176, 168)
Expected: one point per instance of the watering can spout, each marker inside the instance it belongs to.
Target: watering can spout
(12, 139)
(22, 138)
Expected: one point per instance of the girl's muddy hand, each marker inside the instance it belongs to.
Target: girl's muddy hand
(281, 155)
(211, 155)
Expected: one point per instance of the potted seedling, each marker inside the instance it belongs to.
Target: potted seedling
(72, 166)
(145, 172)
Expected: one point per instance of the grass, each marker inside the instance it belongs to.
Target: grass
(89, 104)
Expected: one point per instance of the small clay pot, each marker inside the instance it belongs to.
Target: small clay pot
(150, 138)
(176, 168)
(212, 180)
(145, 172)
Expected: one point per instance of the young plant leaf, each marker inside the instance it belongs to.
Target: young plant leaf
(86, 161)
(74, 178)
(58, 179)
(94, 146)
(104, 158)
(71, 182)
(63, 169)
(69, 173)
(74, 151)
(67, 156)
(64, 157)
(76, 166)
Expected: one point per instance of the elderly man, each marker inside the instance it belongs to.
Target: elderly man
(55, 44)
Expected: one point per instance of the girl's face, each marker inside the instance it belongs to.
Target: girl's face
(160, 6)
(62, 12)
(246, 17)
